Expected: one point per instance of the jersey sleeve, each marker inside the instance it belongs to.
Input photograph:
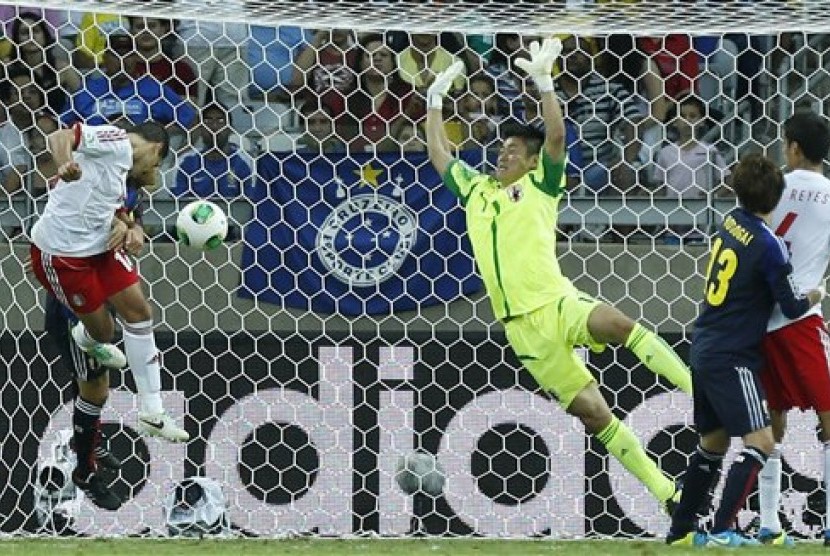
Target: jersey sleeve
(461, 179)
(549, 174)
(778, 272)
(103, 141)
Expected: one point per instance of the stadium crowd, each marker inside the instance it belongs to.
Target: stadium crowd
(660, 116)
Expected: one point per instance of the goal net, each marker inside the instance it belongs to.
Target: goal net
(342, 324)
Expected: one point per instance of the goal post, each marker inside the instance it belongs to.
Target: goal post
(342, 324)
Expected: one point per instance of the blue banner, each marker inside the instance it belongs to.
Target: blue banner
(357, 234)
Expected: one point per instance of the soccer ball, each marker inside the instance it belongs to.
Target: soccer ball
(202, 225)
(419, 471)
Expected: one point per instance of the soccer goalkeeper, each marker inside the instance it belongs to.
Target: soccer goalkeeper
(511, 221)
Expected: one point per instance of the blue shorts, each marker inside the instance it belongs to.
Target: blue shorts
(729, 398)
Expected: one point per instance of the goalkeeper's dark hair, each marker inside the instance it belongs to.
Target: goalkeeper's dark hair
(152, 132)
(810, 131)
(533, 137)
(758, 183)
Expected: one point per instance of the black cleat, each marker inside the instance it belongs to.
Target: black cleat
(107, 460)
(97, 492)
(103, 456)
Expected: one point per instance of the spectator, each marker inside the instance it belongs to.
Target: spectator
(118, 96)
(325, 69)
(602, 110)
(92, 38)
(320, 136)
(501, 68)
(687, 168)
(33, 46)
(271, 55)
(718, 82)
(411, 139)
(43, 165)
(14, 162)
(218, 51)
(150, 35)
(219, 167)
(423, 60)
(381, 103)
(480, 97)
(26, 99)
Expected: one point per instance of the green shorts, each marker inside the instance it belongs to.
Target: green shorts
(544, 342)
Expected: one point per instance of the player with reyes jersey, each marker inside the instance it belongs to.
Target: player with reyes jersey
(798, 369)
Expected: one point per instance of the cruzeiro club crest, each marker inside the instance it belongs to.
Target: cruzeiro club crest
(366, 238)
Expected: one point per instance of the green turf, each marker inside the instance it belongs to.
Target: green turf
(375, 547)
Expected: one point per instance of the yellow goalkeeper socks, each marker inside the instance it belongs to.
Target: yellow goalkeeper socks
(623, 445)
(659, 357)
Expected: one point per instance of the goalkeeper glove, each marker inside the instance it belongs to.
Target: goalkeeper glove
(441, 85)
(540, 65)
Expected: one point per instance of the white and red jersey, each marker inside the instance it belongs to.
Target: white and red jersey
(802, 219)
(78, 215)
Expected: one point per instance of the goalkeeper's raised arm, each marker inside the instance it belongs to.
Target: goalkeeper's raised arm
(438, 144)
(540, 68)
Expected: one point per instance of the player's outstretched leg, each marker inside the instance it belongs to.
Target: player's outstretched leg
(609, 325)
(590, 407)
(105, 354)
(144, 362)
(136, 317)
(659, 357)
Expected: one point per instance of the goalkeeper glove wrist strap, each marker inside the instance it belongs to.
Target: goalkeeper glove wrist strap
(544, 83)
(435, 101)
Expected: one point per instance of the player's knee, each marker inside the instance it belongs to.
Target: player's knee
(592, 411)
(95, 390)
(137, 312)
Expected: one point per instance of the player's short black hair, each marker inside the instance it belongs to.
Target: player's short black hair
(533, 137)
(152, 132)
(811, 132)
(758, 183)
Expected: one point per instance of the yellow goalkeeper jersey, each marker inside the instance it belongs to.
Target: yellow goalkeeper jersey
(513, 233)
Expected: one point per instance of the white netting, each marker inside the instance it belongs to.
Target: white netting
(341, 325)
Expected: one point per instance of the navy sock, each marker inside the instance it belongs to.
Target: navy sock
(86, 420)
(701, 477)
(739, 483)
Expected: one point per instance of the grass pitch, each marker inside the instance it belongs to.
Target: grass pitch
(374, 547)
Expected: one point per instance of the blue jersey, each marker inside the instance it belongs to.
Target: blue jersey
(748, 271)
(143, 99)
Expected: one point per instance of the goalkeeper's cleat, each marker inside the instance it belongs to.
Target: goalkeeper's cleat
(730, 539)
(161, 425)
(107, 355)
(765, 536)
(692, 538)
(97, 492)
(671, 504)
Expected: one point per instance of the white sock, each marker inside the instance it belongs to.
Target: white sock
(769, 491)
(826, 483)
(143, 358)
(82, 337)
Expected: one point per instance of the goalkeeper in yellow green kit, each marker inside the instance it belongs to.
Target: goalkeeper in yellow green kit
(511, 221)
